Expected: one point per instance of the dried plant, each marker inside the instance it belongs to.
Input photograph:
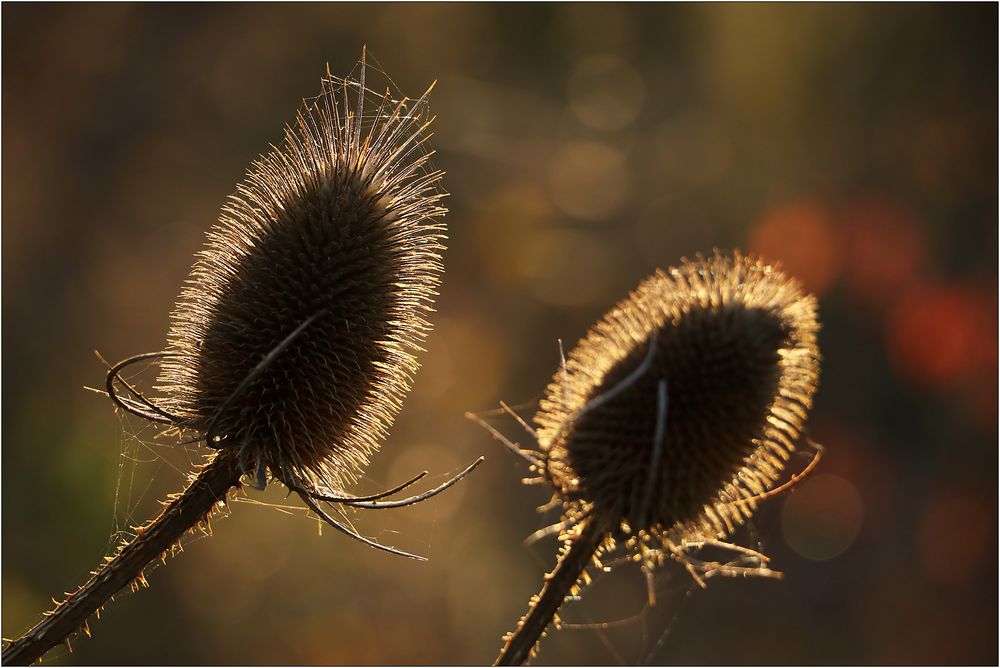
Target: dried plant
(670, 420)
(295, 337)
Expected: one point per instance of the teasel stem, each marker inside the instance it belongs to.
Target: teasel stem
(558, 585)
(183, 513)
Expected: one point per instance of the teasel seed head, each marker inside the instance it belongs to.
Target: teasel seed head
(681, 406)
(295, 336)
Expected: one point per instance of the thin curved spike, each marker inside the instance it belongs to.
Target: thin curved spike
(526, 455)
(554, 502)
(732, 547)
(131, 406)
(650, 577)
(349, 499)
(591, 626)
(210, 436)
(790, 483)
(626, 382)
(114, 373)
(135, 408)
(356, 141)
(556, 528)
(662, 404)
(323, 515)
(710, 569)
(600, 399)
(545, 532)
(158, 415)
(376, 505)
(128, 386)
(494, 412)
(527, 427)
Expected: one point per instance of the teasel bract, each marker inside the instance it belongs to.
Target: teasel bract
(294, 339)
(670, 420)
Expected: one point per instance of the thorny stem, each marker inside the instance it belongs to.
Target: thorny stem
(185, 511)
(558, 585)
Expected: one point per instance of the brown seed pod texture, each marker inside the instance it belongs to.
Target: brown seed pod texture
(683, 403)
(295, 336)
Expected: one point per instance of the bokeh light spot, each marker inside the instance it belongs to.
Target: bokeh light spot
(605, 92)
(693, 149)
(884, 249)
(473, 358)
(934, 333)
(822, 518)
(509, 218)
(565, 267)
(588, 180)
(799, 235)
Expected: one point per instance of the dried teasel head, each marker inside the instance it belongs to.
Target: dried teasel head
(669, 421)
(337, 233)
(680, 407)
(295, 337)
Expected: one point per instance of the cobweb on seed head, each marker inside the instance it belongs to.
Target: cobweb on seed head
(154, 462)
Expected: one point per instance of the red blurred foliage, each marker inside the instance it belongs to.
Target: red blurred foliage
(800, 236)
(942, 334)
(884, 249)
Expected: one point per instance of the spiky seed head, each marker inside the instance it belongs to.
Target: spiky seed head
(733, 343)
(339, 227)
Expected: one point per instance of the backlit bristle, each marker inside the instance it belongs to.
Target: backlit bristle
(328, 254)
(683, 403)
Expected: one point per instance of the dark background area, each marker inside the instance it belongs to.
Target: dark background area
(585, 146)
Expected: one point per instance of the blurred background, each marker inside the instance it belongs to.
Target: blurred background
(585, 146)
